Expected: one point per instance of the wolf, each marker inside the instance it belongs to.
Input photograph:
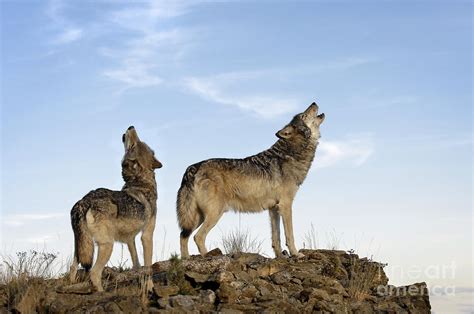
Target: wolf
(265, 181)
(104, 216)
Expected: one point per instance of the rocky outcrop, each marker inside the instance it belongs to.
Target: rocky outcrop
(322, 281)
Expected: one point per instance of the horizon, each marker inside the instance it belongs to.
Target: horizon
(392, 176)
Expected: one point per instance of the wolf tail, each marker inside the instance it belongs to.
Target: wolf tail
(83, 242)
(186, 206)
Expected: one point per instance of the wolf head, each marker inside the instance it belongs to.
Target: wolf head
(304, 126)
(139, 157)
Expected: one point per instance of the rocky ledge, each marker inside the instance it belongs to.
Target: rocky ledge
(323, 281)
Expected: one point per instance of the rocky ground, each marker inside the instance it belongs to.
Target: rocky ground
(323, 281)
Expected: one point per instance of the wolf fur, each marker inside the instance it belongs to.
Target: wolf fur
(104, 216)
(268, 180)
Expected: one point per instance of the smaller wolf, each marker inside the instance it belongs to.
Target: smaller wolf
(268, 180)
(106, 216)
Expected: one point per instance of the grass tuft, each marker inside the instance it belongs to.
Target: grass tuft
(237, 241)
(311, 239)
(364, 273)
(176, 275)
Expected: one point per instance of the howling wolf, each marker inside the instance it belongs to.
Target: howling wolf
(106, 216)
(268, 180)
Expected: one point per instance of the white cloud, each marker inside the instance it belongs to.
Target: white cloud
(68, 33)
(151, 44)
(346, 63)
(22, 219)
(144, 15)
(219, 89)
(353, 151)
(134, 73)
(68, 36)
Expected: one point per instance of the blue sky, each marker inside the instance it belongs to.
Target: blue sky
(393, 173)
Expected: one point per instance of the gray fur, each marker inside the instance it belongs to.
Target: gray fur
(268, 180)
(105, 216)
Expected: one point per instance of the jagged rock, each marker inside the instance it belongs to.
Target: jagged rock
(207, 296)
(214, 252)
(227, 293)
(281, 277)
(223, 276)
(268, 269)
(197, 277)
(323, 281)
(165, 291)
(112, 307)
(185, 302)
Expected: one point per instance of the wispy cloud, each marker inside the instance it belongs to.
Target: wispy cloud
(134, 73)
(66, 31)
(353, 151)
(22, 219)
(150, 45)
(344, 64)
(238, 88)
(68, 36)
(218, 89)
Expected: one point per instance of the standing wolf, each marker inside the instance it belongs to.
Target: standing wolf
(268, 180)
(106, 216)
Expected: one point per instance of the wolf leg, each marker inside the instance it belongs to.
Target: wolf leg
(275, 223)
(183, 241)
(147, 241)
(105, 250)
(73, 270)
(210, 221)
(288, 224)
(133, 253)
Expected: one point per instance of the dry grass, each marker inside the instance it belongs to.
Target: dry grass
(20, 272)
(311, 239)
(122, 264)
(237, 241)
(364, 273)
(332, 239)
(176, 275)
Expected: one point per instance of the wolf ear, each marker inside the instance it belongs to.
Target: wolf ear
(313, 108)
(156, 164)
(286, 132)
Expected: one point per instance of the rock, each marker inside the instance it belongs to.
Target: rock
(185, 302)
(164, 303)
(223, 276)
(281, 278)
(131, 305)
(112, 307)
(197, 277)
(227, 293)
(207, 296)
(267, 269)
(165, 291)
(250, 292)
(324, 281)
(245, 276)
(78, 288)
(320, 295)
(215, 252)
